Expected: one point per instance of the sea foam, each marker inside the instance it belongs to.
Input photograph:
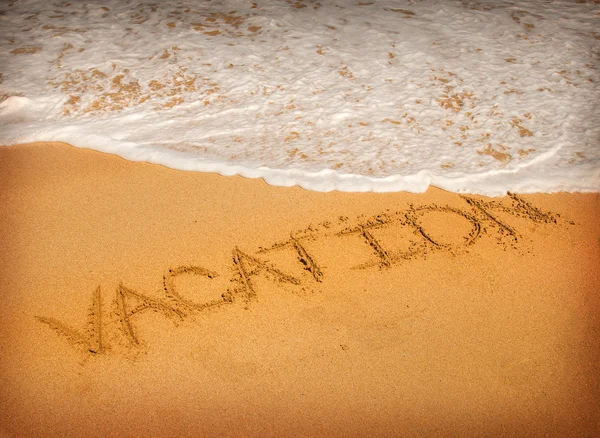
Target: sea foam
(471, 97)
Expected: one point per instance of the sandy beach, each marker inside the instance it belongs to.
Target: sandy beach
(143, 301)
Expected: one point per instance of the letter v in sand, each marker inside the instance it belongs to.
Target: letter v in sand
(91, 337)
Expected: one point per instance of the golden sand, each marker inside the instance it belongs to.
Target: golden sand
(143, 301)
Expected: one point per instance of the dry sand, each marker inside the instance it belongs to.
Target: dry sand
(138, 300)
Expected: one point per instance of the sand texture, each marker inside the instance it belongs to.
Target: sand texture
(138, 300)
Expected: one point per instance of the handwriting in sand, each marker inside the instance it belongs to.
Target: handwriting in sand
(481, 217)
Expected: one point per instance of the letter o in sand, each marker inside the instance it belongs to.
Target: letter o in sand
(445, 227)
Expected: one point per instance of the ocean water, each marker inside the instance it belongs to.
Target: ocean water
(470, 96)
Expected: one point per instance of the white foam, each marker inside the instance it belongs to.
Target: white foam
(472, 97)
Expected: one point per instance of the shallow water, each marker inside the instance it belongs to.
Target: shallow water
(479, 97)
